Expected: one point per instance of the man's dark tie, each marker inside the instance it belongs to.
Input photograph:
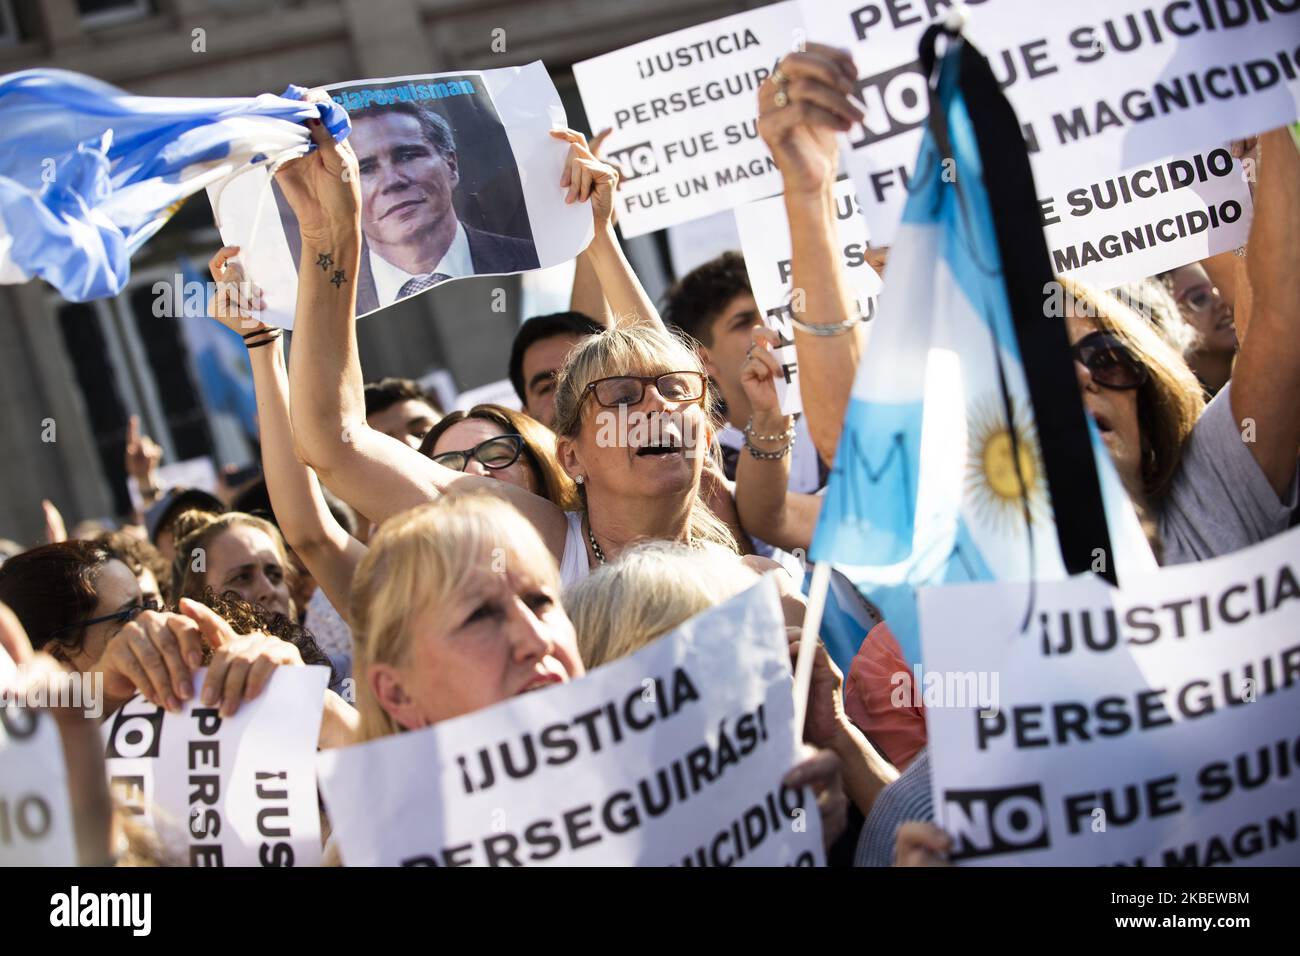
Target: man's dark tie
(420, 283)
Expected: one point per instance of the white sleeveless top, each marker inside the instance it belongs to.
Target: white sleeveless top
(574, 565)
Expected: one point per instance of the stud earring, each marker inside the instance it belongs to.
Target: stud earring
(579, 479)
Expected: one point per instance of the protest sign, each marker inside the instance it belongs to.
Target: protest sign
(459, 177)
(238, 791)
(1098, 89)
(765, 242)
(1148, 220)
(1156, 725)
(35, 814)
(673, 755)
(684, 110)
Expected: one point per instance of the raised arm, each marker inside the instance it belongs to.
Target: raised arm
(768, 509)
(330, 553)
(813, 89)
(586, 177)
(378, 475)
(1266, 379)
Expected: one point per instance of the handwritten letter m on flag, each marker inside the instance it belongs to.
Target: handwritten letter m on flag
(965, 423)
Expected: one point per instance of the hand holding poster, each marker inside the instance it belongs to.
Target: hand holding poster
(35, 815)
(1099, 90)
(765, 242)
(672, 755)
(459, 177)
(684, 110)
(237, 791)
(1157, 724)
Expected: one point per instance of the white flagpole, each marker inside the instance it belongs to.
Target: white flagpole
(808, 641)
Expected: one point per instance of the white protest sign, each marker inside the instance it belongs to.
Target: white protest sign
(673, 755)
(684, 110)
(1148, 220)
(1158, 724)
(459, 177)
(226, 792)
(765, 242)
(1099, 88)
(36, 826)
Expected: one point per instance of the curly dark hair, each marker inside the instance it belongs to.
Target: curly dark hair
(245, 618)
(697, 298)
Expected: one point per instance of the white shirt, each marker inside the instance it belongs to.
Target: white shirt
(389, 279)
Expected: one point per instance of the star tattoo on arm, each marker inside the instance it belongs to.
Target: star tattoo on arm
(338, 278)
(325, 261)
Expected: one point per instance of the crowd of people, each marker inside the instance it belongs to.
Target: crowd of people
(440, 563)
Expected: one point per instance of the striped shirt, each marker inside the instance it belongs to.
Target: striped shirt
(907, 798)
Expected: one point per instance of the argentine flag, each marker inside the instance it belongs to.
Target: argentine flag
(940, 474)
(89, 172)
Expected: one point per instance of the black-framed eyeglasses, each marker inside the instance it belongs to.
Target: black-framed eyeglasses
(1109, 361)
(126, 615)
(620, 390)
(495, 453)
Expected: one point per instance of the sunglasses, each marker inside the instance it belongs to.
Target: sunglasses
(1109, 361)
(622, 390)
(495, 453)
(126, 615)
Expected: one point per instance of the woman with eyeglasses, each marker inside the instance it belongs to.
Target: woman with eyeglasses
(633, 405)
(85, 608)
(1211, 479)
(493, 441)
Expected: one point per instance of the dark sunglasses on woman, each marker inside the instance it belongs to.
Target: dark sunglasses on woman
(1109, 361)
(126, 615)
(495, 453)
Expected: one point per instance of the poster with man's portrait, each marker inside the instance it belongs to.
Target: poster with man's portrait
(458, 178)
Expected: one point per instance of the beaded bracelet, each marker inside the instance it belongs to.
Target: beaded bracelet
(782, 436)
(768, 455)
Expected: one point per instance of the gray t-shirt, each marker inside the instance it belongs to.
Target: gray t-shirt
(1220, 500)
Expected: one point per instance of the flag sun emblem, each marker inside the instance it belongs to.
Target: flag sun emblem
(1000, 472)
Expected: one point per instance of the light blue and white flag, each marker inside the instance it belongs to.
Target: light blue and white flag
(88, 172)
(939, 476)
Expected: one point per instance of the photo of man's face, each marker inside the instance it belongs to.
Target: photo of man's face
(406, 182)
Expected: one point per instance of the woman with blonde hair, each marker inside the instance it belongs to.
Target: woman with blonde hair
(455, 607)
(657, 586)
(633, 403)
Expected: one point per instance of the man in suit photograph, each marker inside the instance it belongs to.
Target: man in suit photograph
(414, 237)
